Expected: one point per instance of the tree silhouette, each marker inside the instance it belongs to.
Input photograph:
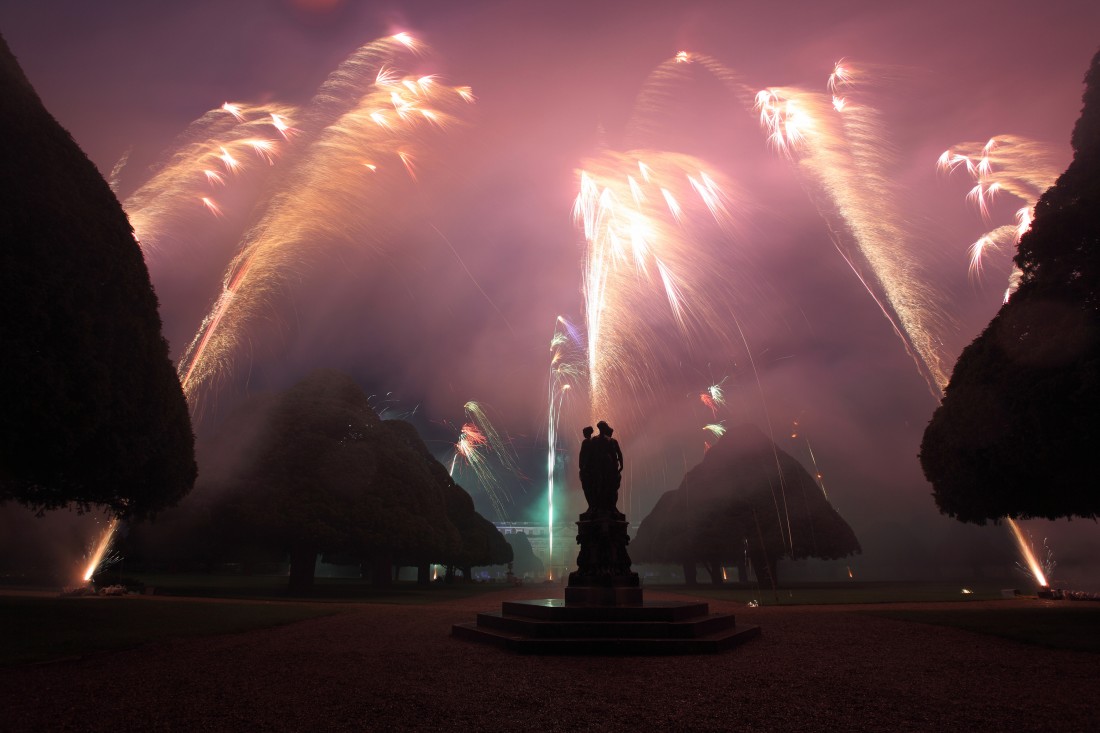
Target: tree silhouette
(480, 543)
(1017, 425)
(745, 496)
(525, 561)
(325, 476)
(314, 471)
(93, 413)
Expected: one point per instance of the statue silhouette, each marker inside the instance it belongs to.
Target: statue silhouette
(603, 574)
(601, 465)
(584, 463)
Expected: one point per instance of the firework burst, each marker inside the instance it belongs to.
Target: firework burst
(330, 196)
(1003, 165)
(221, 146)
(837, 144)
(644, 214)
(478, 445)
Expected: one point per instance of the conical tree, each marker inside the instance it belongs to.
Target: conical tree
(324, 475)
(746, 495)
(480, 542)
(93, 413)
(1015, 432)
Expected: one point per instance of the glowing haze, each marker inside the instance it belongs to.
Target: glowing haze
(736, 212)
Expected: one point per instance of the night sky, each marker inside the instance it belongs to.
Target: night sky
(484, 254)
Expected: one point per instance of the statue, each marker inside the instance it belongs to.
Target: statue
(603, 573)
(584, 464)
(601, 468)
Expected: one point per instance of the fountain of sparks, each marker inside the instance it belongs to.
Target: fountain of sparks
(1034, 567)
(565, 372)
(100, 551)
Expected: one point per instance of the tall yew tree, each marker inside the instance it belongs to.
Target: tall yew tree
(1018, 425)
(91, 411)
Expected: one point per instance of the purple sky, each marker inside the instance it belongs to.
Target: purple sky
(553, 81)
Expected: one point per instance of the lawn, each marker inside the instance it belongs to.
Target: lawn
(1063, 625)
(274, 587)
(41, 628)
(796, 594)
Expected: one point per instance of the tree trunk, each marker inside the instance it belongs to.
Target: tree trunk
(449, 576)
(742, 569)
(765, 569)
(303, 564)
(689, 574)
(381, 575)
(467, 574)
(423, 574)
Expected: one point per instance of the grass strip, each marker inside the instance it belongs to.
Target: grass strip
(39, 630)
(1067, 626)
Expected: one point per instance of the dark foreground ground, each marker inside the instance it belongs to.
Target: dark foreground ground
(376, 667)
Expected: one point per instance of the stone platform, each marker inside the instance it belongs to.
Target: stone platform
(554, 626)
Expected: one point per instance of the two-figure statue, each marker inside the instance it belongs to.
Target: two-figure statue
(603, 575)
(601, 468)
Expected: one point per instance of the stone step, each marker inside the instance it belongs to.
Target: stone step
(555, 609)
(715, 642)
(592, 628)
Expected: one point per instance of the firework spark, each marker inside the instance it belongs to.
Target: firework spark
(1033, 565)
(324, 200)
(222, 144)
(565, 372)
(643, 213)
(847, 162)
(713, 397)
(479, 443)
(102, 548)
(837, 146)
(1009, 165)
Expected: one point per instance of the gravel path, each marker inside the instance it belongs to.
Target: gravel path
(385, 668)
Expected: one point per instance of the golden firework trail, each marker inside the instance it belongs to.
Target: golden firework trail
(216, 149)
(634, 228)
(837, 146)
(643, 213)
(1003, 165)
(331, 196)
(837, 143)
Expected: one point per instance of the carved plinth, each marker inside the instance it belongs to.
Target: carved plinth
(603, 575)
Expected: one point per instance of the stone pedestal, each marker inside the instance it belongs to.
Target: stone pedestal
(603, 611)
(603, 576)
